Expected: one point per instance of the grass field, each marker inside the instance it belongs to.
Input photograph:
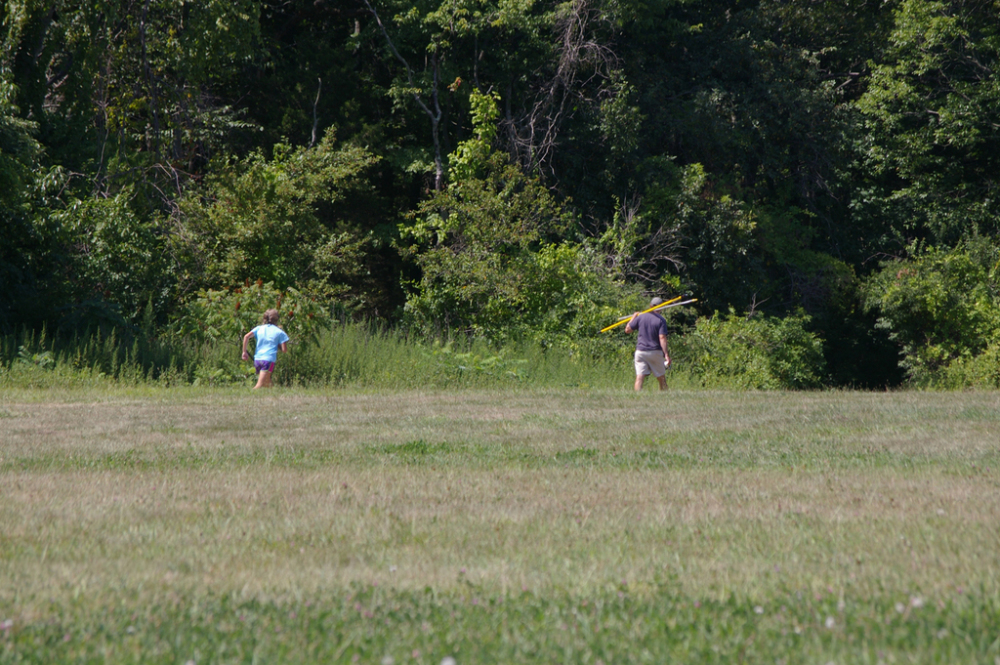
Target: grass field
(148, 525)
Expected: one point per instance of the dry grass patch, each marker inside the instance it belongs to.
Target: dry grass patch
(298, 492)
(268, 530)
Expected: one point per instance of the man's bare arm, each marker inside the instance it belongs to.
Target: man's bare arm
(663, 345)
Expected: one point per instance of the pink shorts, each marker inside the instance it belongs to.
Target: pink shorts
(263, 365)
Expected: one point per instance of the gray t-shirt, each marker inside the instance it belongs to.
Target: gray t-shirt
(650, 327)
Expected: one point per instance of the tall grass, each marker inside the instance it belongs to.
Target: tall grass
(358, 355)
(351, 354)
(731, 352)
(37, 359)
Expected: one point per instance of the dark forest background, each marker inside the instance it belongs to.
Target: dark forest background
(512, 169)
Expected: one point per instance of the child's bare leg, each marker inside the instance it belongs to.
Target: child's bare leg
(263, 379)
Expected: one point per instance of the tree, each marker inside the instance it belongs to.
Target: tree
(32, 262)
(477, 242)
(931, 150)
(129, 90)
(491, 261)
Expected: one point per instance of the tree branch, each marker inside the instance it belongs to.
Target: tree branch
(435, 115)
(319, 88)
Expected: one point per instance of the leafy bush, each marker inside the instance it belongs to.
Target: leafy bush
(557, 294)
(489, 269)
(940, 306)
(121, 265)
(979, 371)
(282, 219)
(226, 315)
(752, 352)
(476, 245)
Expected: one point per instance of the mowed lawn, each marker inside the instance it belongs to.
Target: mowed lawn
(573, 525)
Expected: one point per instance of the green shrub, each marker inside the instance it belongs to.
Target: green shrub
(557, 295)
(228, 314)
(979, 371)
(285, 219)
(751, 352)
(941, 306)
(122, 266)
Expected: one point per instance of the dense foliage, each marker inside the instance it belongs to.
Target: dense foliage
(515, 170)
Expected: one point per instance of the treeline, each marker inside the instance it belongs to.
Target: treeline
(516, 171)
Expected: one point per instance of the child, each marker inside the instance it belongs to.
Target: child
(270, 338)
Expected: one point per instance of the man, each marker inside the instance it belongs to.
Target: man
(651, 356)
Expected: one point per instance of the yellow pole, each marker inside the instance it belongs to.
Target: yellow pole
(629, 317)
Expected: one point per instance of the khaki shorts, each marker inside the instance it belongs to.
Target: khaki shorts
(650, 362)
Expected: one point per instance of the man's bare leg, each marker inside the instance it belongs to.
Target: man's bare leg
(663, 382)
(639, 379)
